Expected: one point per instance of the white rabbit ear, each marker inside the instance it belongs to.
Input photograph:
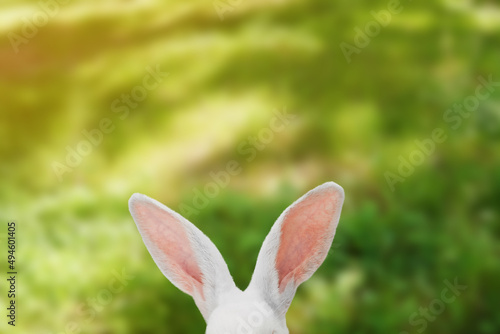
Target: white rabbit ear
(297, 245)
(183, 253)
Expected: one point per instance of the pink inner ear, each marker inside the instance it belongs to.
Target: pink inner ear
(169, 237)
(305, 237)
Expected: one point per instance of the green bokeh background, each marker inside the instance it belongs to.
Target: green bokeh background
(394, 248)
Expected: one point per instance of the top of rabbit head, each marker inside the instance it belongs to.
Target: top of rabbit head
(293, 250)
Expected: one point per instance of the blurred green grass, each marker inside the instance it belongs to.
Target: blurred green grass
(393, 250)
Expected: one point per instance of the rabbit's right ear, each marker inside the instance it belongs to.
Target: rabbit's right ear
(183, 253)
(297, 245)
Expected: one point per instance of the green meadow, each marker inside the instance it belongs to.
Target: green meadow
(228, 111)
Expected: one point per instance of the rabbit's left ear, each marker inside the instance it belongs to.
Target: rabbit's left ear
(297, 245)
(183, 253)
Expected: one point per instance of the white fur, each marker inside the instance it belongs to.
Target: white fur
(261, 308)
